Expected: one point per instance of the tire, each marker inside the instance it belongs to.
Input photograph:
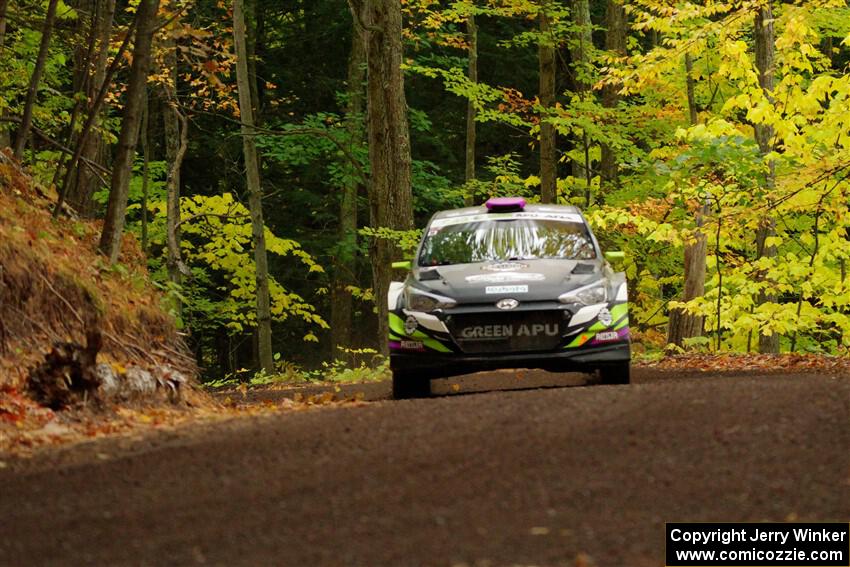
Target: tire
(409, 385)
(615, 373)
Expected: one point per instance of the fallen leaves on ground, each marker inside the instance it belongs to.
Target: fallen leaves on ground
(737, 362)
(26, 427)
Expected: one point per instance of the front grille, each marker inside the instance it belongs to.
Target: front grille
(492, 332)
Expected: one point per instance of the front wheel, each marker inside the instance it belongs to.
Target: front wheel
(409, 385)
(615, 373)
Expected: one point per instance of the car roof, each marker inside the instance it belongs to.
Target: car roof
(468, 211)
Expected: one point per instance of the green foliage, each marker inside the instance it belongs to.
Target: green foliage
(356, 366)
(216, 246)
(503, 179)
(217, 240)
(157, 175)
(716, 164)
(405, 240)
(342, 370)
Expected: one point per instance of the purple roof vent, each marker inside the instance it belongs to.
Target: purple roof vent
(505, 204)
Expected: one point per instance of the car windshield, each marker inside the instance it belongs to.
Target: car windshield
(510, 239)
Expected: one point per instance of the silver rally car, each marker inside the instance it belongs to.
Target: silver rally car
(507, 285)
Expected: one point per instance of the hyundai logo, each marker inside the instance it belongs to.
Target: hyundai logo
(507, 303)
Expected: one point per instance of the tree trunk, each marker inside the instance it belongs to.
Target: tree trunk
(548, 152)
(615, 42)
(390, 195)
(146, 154)
(346, 256)
(764, 48)
(116, 208)
(684, 325)
(250, 11)
(581, 44)
(471, 112)
(176, 126)
(35, 79)
(4, 6)
(94, 109)
(5, 139)
(259, 41)
(174, 261)
(84, 184)
(580, 50)
(174, 131)
(83, 52)
(689, 82)
(83, 55)
(255, 194)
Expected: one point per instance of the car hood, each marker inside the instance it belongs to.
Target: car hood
(525, 280)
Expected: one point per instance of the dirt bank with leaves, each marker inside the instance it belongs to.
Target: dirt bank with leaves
(74, 329)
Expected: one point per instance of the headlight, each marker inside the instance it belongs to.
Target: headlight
(418, 300)
(597, 292)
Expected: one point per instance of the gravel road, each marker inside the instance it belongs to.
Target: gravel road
(542, 476)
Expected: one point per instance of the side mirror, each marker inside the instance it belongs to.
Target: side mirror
(403, 265)
(615, 255)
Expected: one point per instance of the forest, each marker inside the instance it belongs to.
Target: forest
(271, 159)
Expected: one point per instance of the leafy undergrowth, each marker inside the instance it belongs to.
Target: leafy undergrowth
(739, 362)
(288, 375)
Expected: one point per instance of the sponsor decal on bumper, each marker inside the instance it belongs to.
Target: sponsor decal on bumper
(401, 339)
(415, 346)
(484, 332)
(607, 336)
(539, 335)
(610, 336)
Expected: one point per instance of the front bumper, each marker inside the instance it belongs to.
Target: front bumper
(584, 340)
(437, 365)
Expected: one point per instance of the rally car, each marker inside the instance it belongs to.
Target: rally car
(507, 285)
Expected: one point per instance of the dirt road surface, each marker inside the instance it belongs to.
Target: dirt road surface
(544, 476)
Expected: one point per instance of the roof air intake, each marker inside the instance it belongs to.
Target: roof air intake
(505, 204)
